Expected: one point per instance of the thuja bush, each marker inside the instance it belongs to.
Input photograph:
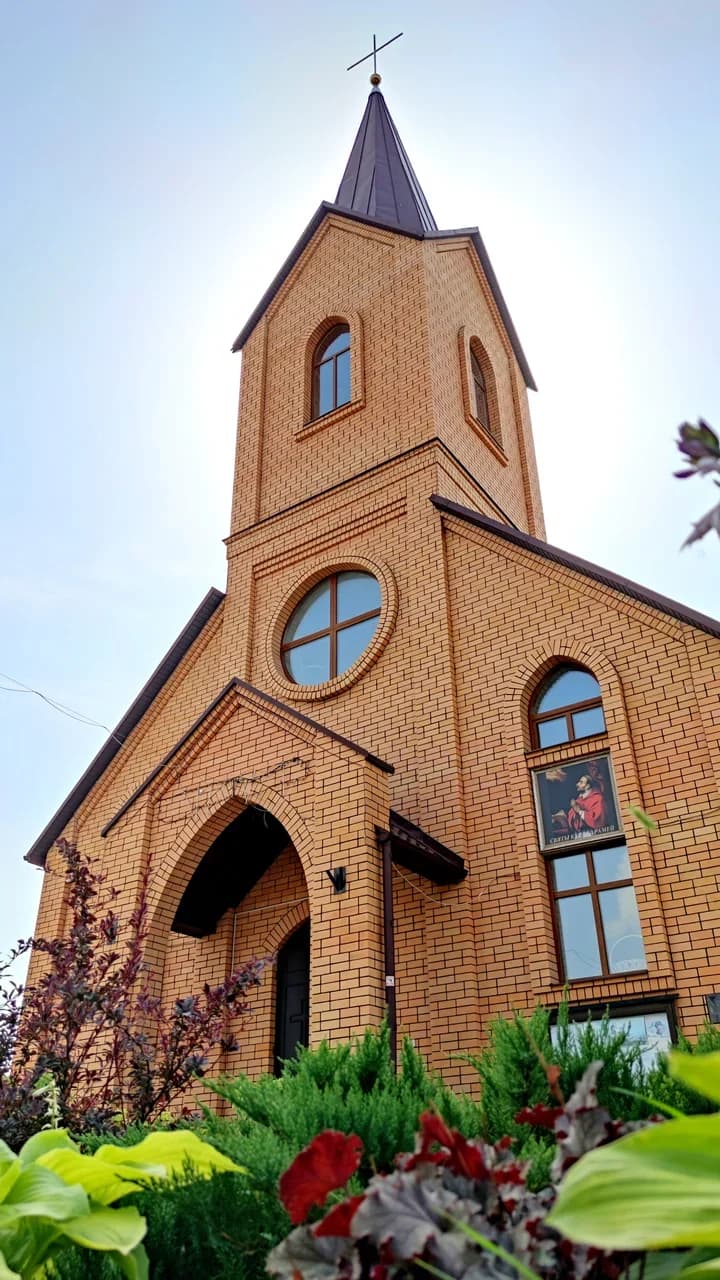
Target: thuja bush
(88, 1037)
(668, 1089)
(222, 1227)
(226, 1227)
(351, 1088)
(522, 1067)
(455, 1207)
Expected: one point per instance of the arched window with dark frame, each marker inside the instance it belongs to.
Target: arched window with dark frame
(567, 706)
(480, 394)
(331, 371)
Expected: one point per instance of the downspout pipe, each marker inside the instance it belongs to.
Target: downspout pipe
(385, 841)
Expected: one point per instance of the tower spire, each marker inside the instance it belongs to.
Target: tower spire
(379, 180)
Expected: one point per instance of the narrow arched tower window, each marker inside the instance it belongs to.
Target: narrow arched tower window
(331, 371)
(482, 409)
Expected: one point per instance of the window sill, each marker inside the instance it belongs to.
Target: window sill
(329, 419)
(602, 988)
(487, 438)
(537, 757)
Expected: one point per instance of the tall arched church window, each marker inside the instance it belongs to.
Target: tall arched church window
(479, 388)
(331, 371)
(567, 706)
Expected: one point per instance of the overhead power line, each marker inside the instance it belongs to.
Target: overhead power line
(17, 686)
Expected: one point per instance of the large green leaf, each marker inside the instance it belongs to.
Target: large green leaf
(710, 1268)
(699, 1071)
(41, 1193)
(9, 1174)
(120, 1230)
(654, 1189)
(48, 1140)
(164, 1153)
(98, 1179)
(6, 1273)
(133, 1265)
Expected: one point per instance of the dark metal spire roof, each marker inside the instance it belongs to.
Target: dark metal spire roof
(379, 180)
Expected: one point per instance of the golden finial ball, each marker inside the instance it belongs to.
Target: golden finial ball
(375, 79)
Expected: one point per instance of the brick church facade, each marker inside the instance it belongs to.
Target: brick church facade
(403, 749)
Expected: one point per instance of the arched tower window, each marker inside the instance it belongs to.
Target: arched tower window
(331, 371)
(480, 389)
(480, 396)
(567, 706)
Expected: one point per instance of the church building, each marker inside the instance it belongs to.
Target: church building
(405, 751)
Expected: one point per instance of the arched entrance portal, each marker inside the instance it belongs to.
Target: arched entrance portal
(246, 896)
(292, 1002)
(236, 860)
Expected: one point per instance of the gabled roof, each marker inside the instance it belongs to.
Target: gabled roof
(379, 179)
(325, 210)
(625, 586)
(189, 634)
(242, 685)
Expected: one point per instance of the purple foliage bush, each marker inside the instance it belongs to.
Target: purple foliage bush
(89, 1037)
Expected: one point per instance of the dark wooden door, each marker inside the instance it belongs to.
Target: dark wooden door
(292, 1009)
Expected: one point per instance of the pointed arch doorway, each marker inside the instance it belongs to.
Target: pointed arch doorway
(292, 999)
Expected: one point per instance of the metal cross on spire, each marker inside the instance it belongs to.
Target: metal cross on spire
(375, 78)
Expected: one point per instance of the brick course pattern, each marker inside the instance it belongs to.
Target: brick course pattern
(469, 626)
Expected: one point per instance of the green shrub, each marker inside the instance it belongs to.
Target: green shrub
(351, 1088)
(512, 1076)
(663, 1087)
(221, 1228)
(224, 1228)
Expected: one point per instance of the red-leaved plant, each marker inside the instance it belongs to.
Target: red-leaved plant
(89, 1033)
(456, 1206)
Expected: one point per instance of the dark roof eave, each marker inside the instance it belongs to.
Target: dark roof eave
(673, 608)
(324, 210)
(237, 683)
(419, 852)
(37, 852)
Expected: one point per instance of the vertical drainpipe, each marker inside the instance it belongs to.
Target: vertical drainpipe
(389, 942)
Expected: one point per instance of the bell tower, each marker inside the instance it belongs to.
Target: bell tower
(382, 335)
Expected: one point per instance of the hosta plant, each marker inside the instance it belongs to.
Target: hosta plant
(52, 1197)
(456, 1207)
(658, 1189)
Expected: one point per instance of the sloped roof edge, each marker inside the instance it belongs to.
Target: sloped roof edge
(644, 595)
(37, 852)
(324, 210)
(237, 683)
(415, 849)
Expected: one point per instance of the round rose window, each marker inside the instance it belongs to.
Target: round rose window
(331, 627)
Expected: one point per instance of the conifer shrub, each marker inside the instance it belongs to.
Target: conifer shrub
(225, 1227)
(665, 1088)
(521, 1060)
(351, 1088)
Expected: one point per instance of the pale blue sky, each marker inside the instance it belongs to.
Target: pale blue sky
(159, 161)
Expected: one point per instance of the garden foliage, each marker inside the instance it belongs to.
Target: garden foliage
(514, 1076)
(657, 1189)
(52, 1197)
(351, 1088)
(701, 449)
(225, 1227)
(89, 1034)
(457, 1207)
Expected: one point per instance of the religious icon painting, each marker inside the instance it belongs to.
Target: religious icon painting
(576, 801)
